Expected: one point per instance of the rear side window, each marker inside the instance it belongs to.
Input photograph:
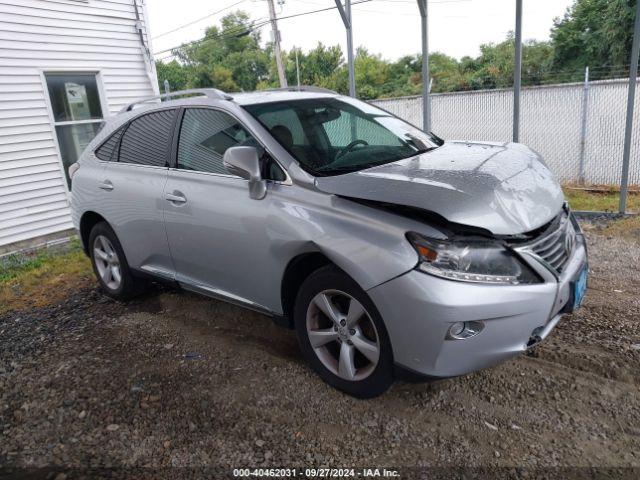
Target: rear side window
(108, 151)
(204, 137)
(147, 140)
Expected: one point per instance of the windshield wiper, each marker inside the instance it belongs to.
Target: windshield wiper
(354, 168)
(350, 168)
(424, 150)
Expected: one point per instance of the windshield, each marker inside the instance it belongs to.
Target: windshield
(331, 136)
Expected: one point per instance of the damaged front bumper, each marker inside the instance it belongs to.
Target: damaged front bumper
(419, 311)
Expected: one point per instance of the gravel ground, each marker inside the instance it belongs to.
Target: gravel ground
(174, 379)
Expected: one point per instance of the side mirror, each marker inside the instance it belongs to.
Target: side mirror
(244, 162)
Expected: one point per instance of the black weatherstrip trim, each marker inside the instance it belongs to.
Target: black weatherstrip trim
(173, 158)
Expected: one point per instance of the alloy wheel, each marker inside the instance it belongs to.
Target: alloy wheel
(107, 262)
(343, 335)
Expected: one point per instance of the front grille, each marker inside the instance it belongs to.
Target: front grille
(555, 244)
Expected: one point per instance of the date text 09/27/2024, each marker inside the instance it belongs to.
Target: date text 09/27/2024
(315, 473)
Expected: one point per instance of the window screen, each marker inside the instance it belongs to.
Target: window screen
(204, 137)
(288, 119)
(108, 151)
(147, 140)
(340, 131)
(74, 96)
(77, 113)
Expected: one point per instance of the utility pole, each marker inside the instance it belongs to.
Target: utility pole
(345, 13)
(628, 132)
(517, 73)
(426, 78)
(297, 70)
(276, 44)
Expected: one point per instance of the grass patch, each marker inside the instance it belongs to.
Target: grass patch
(627, 227)
(605, 201)
(13, 265)
(42, 279)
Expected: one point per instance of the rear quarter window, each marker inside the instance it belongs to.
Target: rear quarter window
(108, 151)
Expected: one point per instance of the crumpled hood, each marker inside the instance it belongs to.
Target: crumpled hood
(504, 188)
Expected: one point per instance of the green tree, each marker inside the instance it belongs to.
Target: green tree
(316, 67)
(594, 33)
(405, 76)
(445, 72)
(233, 48)
(175, 73)
(494, 68)
(372, 73)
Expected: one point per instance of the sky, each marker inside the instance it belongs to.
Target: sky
(388, 27)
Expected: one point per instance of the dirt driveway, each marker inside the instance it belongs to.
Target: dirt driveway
(173, 379)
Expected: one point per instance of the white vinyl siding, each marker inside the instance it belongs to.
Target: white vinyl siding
(64, 36)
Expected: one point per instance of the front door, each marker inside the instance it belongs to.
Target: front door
(219, 237)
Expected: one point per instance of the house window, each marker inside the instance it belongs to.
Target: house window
(77, 113)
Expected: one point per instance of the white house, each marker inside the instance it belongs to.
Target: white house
(64, 66)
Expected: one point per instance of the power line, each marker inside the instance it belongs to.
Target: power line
(237, 31)
(320, 10)
(199, 19)
(295, 15)
(394, 12)
(254, 27)
(430, 3)
(241, 30)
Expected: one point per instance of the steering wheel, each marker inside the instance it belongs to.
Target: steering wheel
(349, 147)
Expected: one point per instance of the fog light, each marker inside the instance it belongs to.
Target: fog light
(463, 330)
(456, 329)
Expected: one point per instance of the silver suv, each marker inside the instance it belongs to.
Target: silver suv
(389, 250)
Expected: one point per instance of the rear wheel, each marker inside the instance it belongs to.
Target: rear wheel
(110, 264)
(342, 335)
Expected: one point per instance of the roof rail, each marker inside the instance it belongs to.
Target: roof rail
(302, 88)
(208, 92)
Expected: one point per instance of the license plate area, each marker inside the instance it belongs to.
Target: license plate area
(577, 290)
(580, 287)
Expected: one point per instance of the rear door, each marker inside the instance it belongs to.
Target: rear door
(219, 237)
(135, 185)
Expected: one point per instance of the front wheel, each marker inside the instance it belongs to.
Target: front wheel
(341, 334)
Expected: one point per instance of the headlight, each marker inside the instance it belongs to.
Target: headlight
(479, 261)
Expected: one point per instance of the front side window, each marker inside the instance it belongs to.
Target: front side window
(341, 134)
(76, 112)
(147, 140)
(204, 137)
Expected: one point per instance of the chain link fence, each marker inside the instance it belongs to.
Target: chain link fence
(577, 127)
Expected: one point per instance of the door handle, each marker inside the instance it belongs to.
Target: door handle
(175, 197)
(106, 185)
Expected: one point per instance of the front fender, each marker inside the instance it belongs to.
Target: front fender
(367, 243)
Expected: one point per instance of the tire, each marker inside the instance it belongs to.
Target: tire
(106, 253)
(344, 346)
